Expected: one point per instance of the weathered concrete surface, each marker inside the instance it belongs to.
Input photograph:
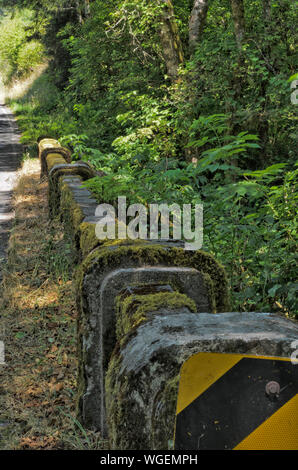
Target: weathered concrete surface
(185, 280)
(108, 268)
(99, 337)
(84, 167)
(143, 376)
(136, 378)
(10, 151)
(96, 319)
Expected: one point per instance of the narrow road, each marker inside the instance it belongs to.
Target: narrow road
(10, 153)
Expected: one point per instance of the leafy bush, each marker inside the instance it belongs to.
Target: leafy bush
(18, 54)
(30, 55)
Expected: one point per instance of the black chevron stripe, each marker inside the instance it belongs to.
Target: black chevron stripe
(235, 405)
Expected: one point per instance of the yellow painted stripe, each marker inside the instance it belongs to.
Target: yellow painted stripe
(203, 369)
(279, 432)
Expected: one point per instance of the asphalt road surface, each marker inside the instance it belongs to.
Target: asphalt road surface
(10, 153)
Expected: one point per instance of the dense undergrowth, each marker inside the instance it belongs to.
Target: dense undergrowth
(222, 132)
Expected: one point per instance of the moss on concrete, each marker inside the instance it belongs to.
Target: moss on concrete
(81, 360)
(84, 171)
(210, 291)
(87, 239)
(47, 146)
(163, 424)
(54, 159)
(136, 309)
(121, 406)
(70, 210)
(115, 254)
(117, 409)
(130, 418)
(129, 253)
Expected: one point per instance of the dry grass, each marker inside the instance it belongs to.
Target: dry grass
(37, 309)
(19, 88)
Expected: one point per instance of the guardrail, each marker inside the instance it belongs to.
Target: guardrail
(145, 307)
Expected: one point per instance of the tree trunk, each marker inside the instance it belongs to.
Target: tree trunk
(267, 10)
(86, 6)
(82, 10)
(197, 22)
(239, 21)
(170, 40)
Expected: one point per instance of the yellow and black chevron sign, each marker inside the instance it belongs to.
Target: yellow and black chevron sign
(235, 401)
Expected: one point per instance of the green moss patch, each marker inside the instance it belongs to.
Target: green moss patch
(70, 210)
(163, 424)
(51, 146)
(136, 309)
(87, 239)
(129, 253)
(54, 159)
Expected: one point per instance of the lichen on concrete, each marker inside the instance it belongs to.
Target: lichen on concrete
(60, 168)
(96, 322)
(53, 159)
(126, 403)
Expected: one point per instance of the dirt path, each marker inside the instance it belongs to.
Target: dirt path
(10, 152)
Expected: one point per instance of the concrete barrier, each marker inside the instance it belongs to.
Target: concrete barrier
(144, 370)
(144, 308)
(101, 278)
(48, 146)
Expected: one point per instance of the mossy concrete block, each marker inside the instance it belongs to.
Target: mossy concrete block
(55, 188)
(188, 284)
(136, 309)
(74, 203)
(54, 159)
(77, 173)
(97, 329)
(143, 374)
(47, 146)
(136, 253)
(86, 236)
(101, 277)
(78, 168)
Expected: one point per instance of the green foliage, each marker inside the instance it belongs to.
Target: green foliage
(224, 134)
(18, 54)
(29, 56)
(253, 88)
(252, 227)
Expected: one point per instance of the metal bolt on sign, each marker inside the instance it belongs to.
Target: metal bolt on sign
(211, 414)
(272, 389)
